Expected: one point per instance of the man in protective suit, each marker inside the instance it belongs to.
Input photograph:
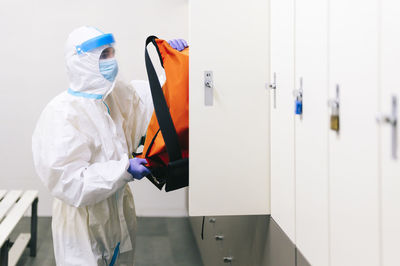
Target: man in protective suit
(82, 148)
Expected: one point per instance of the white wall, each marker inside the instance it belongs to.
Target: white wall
(32, 72)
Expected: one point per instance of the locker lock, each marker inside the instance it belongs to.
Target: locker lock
(298, 94)
(212, 220)
(392, 121)
(334, 104)
(208, 88)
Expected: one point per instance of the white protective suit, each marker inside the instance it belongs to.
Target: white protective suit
(81, 150)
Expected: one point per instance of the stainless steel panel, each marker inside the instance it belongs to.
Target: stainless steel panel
(249, 240)
(279, 250)
(239, 239)
(210, 251)
(301, 260)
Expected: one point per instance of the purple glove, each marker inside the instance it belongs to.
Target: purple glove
(137, 168)
(178, 44)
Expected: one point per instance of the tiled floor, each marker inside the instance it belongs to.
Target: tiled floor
(160, 241)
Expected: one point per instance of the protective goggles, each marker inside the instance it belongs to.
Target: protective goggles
(94, 43)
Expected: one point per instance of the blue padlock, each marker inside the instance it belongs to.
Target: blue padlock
(299, 107)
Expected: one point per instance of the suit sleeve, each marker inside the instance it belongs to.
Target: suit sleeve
(135, 104)
(62, 157)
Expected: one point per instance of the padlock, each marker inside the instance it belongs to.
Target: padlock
(298, 94)
(335, 122)
(334, 104)
(299, 107)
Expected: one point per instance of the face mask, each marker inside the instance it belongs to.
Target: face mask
(108, 68)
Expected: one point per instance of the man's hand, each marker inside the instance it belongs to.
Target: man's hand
(137, 168)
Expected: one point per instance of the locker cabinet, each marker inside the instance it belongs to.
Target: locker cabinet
(229, 140)
(389, 152)
(353, 152)
(334, 193)
(311, 68)
(282, 115)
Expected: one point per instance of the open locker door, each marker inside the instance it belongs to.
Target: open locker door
(229, 131)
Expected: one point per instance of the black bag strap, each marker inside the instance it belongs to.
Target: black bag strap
(202, 228)
(160, 106)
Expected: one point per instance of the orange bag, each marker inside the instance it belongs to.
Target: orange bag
(166, 147)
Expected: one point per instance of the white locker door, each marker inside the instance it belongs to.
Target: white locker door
(312, 131)
(353, 162)
(282, 116)
(390, 168)
(229, 141)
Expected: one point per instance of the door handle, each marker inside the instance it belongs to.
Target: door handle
(272, 87)
(392, 121)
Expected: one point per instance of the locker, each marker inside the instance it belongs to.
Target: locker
(229, 137)
(389, 150)
(311, 67)
(353, 151)
(282, 115)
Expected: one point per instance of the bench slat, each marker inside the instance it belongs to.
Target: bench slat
(18, 248)
(15, 214)
(2, 193)
(9, 200)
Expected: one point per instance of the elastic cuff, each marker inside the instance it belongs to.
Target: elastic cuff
(126, 176)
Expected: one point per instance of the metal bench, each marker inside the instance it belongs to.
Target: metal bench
(13, 205)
